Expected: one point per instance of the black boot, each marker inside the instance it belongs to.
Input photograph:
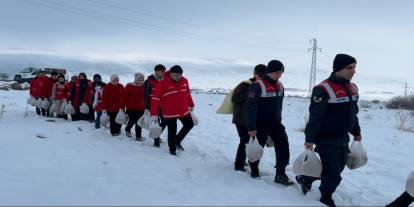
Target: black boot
(157, 142)
(172, 152)
(404, 200)
(282, 178)
(239, 167)
(254, 167)
(327, 200)
(304, 184)
(179, 147)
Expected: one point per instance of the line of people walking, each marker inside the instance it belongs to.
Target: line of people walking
(165, 95)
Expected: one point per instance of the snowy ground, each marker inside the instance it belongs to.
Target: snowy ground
(78, 165)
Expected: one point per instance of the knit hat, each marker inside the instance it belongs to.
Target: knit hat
(159, 67)
(341, 61)
(176, 69)
(274, 66)
(138, 76)
(259, 69)
(114, 76)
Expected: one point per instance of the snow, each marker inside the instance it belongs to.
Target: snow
(78, 165)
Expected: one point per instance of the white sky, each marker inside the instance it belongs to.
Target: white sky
(378, 33)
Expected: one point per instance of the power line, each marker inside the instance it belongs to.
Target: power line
(186, 23)
(134, 23)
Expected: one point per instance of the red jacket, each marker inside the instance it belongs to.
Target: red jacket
(174, 97)
(36, 85)
(68, 89)
(113, 97)
(58, 92)
(134, 97)
(76, 100)
(47, 88)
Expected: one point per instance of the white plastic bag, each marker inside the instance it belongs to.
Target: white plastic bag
(52, 109)
(33, 101)
(145, 120)
(120, 117)
(194, 117)
(70, 109)
(29, 100)
(104, 119)
(357, 157)
(409, 186)
(39, 102)
(254, 150)
(45, 104)
(308, 164)
(63, 107)
(155, 129)
(84, 108)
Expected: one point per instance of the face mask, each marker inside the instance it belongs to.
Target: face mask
(62, 81)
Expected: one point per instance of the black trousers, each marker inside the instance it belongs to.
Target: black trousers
(79, 116)
(161, 120)
(333, 161)
(173, 137)
(91, 115)
(276, 131)
(114, 127)
(241, 150)
(133, 119)
(404, 200)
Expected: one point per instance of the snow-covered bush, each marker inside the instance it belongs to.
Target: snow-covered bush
(405, 121)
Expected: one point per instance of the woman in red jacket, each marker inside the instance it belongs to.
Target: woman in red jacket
(79, 94)
(173, 95)
(134, 103)
(59, 96)
(36, 85)
(113, 102)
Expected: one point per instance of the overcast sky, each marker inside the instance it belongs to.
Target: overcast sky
(378, 33)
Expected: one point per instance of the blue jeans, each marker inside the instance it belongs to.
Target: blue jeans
(98, 119)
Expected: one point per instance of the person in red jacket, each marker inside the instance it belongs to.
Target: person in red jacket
(173, 94)
(97, 103)
(79, 94)
(68, 86)
(149, 84)
(36, 85)
(47, 88)
(59, 96)
(113, 102)
(134, 103)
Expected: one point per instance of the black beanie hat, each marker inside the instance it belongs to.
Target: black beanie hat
(97, 76)
(274, 66)
(176, 69)
(159, 67)
(260, 69)
(341, 61)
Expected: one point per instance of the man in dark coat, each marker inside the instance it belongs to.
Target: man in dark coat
(239, 99)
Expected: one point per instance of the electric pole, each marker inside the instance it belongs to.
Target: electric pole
(405, 89)
(312, 78)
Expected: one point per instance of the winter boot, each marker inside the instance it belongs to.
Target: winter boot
(239, 167)
(179, 147)
(282, 178)
(254, 167)
(128, 134)
(327, 200)
(305, 186)
(172, 152)
(157, 142)
(140, 139)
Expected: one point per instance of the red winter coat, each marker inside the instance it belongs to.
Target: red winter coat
(36, 85)
(59, 92)
(174, 97)
(134, 97)
(75, 98)
(47, 88)
(68, 89)
(113, 97)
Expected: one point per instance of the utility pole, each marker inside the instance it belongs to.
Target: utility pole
(405, 89)
(312, 78)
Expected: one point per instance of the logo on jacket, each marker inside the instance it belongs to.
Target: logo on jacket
(317, 99)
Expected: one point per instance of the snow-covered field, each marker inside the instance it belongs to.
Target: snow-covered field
(78, 165)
